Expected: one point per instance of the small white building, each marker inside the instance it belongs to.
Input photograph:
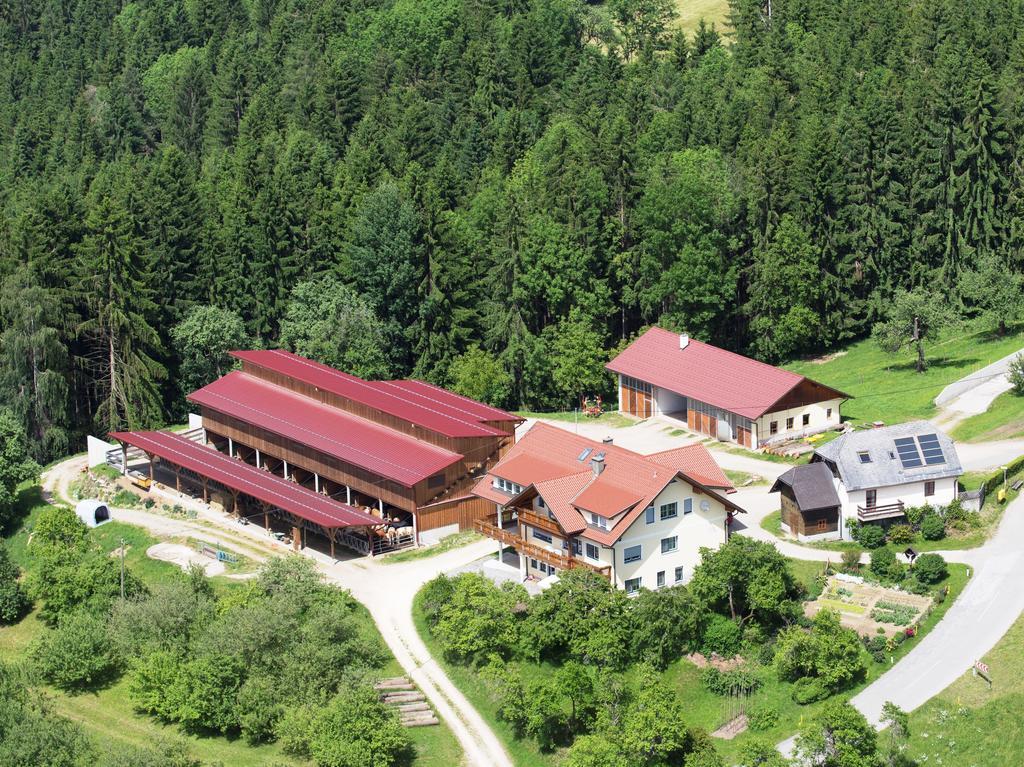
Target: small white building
(879, 473)
(563, 501)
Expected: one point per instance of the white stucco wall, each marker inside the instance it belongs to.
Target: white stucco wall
(695, 530)
(912, 494)
(820, 420)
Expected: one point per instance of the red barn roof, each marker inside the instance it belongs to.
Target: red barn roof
(347, 437)
(718, 377)
(238, 475)
(421, 404)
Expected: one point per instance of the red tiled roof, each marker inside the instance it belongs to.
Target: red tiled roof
(718, 377)
(547, 456)
(434, 396)
(400, 399)
(559, 494)
(240, 476)
(484, 489)
(347, 437)
(695, 460)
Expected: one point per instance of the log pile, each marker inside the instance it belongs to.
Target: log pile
(400, 694)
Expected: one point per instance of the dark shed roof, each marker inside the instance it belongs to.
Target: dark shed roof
(812, 486)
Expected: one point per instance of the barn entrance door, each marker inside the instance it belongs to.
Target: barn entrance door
(743, 436)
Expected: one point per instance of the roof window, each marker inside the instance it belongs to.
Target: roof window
(864, 456)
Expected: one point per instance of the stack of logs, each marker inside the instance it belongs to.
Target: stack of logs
(401, 694)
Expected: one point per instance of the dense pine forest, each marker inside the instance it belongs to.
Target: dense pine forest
(502, 189)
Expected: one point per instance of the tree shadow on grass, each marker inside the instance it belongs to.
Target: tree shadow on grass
(936, 362)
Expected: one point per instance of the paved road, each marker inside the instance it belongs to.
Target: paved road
(387, 591)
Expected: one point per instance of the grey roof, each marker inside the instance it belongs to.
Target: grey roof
(886, 468)
(813, 486)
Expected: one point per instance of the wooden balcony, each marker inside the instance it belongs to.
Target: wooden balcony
(541, 554)
(541, 523)
(885, 511)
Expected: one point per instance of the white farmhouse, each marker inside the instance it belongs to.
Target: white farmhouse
(562, 501)
(880, 472)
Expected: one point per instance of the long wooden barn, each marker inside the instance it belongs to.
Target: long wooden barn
(406, 452)
(390, 446)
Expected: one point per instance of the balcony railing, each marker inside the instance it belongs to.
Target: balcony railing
(542, 523)
(525, 548)
(884, 511)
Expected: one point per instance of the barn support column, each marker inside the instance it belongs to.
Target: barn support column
(296, 537)
(150, 456)
(501, 546)
(348, 495)
(124, 458)
(416, 532)
(266, 517)
(258, 459)
(371, 538)
(332, 531)
(177, 478)
(234, 504)
(380, 507)
(316, 482)
(284, 464)
(206, 490)
(231, 447)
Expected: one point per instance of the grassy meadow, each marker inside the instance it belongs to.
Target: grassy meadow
(1004, 419)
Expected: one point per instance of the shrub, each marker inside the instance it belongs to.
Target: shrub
(851, 559)
(478, 619)
(434, 595)
(721, 636)
(884, 564)
(259, 709)
(901, 534)
(763, 717)
(871, 536)
(808, 690)
(915, 514)
(125, 499)
(1015, 374)
(13, 600)
(930, 568)
(355, 729)
(933, 528)
(76, 654)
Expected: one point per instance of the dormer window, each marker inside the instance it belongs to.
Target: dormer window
(864, 456)
(506, 486)
(598, 521)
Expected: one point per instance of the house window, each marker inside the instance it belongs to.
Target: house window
(670, 510)
(632, 554)
(650, 515)
(864, 456)
(633, 585)
(870, 498)
(679, 575)
(822, 524)
(828, 412)
(598, 521)
(540, 536)
(807, 419)
(669, 544)
(687, 506)
(593, 552)
(540, 503)
(577, 547)
(661, 579)
(929, 488)
(773, 427)
(533, 564)
(436, 481)
(789, 424)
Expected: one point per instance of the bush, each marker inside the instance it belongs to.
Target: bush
(915, 514)
(76, 654)
(763, 717)
(884, 564)
(721, 636)
(851, 559)
(125, 499)
(901, 534)
(433, 596)
(808, 690)
(479, 619)
(14, 602)
(354, 730)
(930, 568)
(1015, 374)
(871, 536)
(933, 528)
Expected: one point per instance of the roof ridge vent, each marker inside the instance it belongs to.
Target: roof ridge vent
(684, 340)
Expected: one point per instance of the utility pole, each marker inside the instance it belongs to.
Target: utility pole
(122, 568)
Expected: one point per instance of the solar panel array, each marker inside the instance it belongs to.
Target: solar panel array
(907, 448)
(911, 457)
(931, 449)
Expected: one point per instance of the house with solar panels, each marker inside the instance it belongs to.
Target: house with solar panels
(876, 475)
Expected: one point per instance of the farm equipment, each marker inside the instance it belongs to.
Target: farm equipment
(591, 407)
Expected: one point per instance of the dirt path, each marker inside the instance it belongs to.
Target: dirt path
(387, 591)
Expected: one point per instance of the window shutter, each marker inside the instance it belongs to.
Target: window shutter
(650, 515)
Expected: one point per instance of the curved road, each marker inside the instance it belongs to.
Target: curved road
(387, 591)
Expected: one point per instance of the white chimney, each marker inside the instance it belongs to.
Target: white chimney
(597, 464)
(684, 340)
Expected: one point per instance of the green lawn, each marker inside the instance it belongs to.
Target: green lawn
(968, 723)
(712, 11)
(739, 478)
(612, 418)
(1004, 419)
(107, 716)
(885, 386)
(449, 542)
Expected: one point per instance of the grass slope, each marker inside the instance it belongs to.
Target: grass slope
(968, 723)
(107, 715)
(1004, 419)
(885, 387)
(712, 11)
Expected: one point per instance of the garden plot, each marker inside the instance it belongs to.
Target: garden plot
(866, 608)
